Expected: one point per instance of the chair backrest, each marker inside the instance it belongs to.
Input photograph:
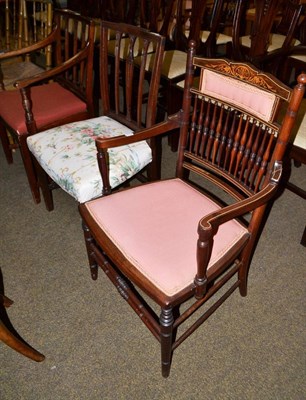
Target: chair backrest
(26, 22)
(232, 137)
(188, 22)
(126, 94)
(119, 11)
(75, 43)
(177, 20)
(288, 23)
(217, 19)
(271, 16)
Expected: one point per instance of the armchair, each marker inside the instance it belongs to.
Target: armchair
(170, 246)
(68, 155)
(63, 94)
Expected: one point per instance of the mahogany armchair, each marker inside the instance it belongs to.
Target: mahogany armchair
(168, 243)
(62, 94)
(68, 154)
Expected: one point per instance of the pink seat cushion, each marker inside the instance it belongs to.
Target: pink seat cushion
(50, 103)
(155, 227)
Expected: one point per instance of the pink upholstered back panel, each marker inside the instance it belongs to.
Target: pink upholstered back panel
(242, 95)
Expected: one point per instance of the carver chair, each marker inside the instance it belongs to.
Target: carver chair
(68, 155)
(63, 94)
(26, 22)
(169, 245)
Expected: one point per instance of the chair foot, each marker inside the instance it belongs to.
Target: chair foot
(12, 341)
(94, 272)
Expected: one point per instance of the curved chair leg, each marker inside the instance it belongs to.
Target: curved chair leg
(7, 337)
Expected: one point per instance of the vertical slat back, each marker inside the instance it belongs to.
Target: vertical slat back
(126, 92)
(233, 134)
(76, 36)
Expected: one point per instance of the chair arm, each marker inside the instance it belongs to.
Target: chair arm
(51, 73)
(173, 122)
(31, 48)
(103, 144)
(212, 221)
(209, 225)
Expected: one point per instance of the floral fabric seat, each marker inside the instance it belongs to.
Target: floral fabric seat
(68, 154)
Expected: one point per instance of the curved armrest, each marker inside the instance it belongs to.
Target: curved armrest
(103, 144)
(31, 48)
(171, 123)
(212, 221)
(51, 73)
(209, 225)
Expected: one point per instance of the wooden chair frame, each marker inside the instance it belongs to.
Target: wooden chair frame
(248, 170)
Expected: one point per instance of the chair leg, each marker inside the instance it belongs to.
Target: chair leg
(166, 324)
(92, 262)
(43, 182)
(303, 239)
(7, 337)
(243, 279)
(6, 144)
(29, 168)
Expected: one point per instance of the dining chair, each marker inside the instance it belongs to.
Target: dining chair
(168, 246)
(274, 32)
(66, 156)
(62, 94)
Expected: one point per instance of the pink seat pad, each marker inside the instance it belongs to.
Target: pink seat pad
(155, 227)
(51, 102)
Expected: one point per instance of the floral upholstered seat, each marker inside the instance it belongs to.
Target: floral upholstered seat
(69, 156)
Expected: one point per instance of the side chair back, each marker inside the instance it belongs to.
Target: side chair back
(274, 32)
(175, 244)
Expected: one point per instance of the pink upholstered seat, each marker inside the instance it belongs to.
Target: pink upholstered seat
(58, 103)
(155, 227)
